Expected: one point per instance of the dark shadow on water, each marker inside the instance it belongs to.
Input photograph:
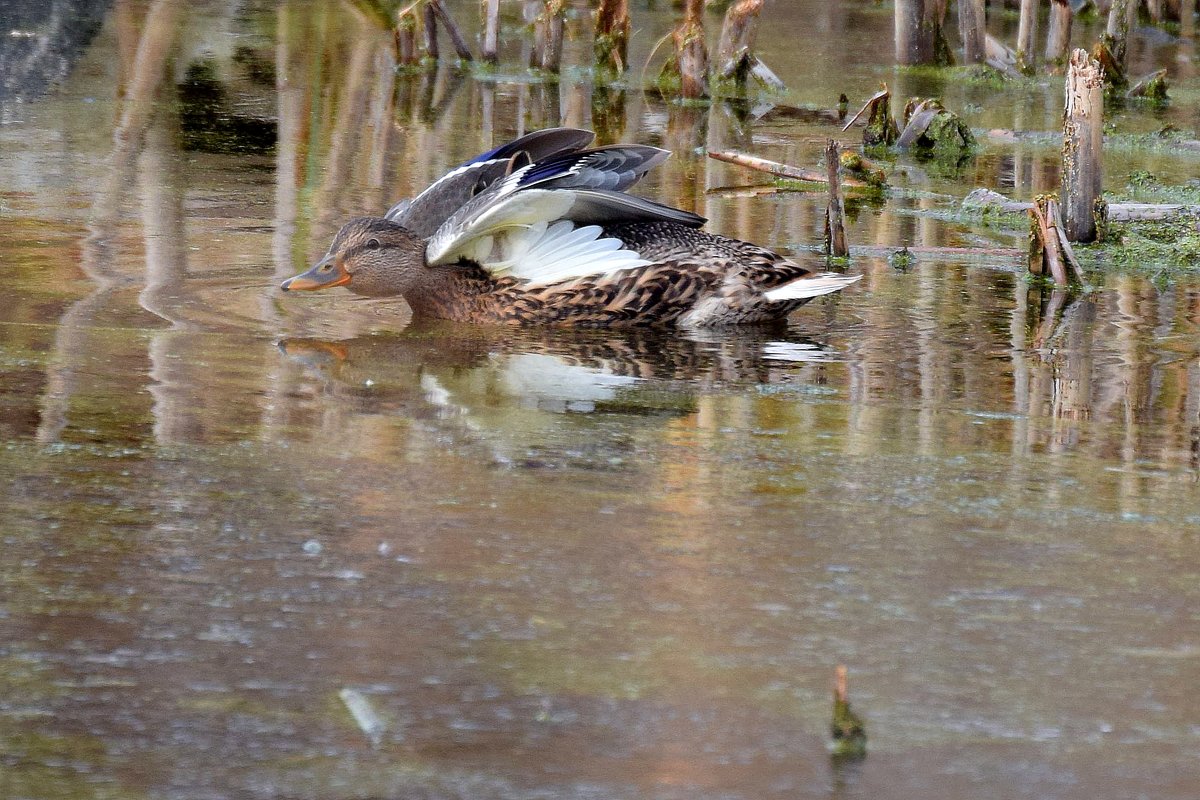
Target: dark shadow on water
(208, 120)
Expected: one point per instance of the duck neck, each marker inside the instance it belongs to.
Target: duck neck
(449, 292)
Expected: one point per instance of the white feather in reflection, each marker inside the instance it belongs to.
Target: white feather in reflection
(549, 383)
(798, 352)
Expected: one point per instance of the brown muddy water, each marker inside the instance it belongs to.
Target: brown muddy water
(263, 546)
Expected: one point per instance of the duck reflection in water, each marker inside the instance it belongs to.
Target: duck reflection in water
(513, 386)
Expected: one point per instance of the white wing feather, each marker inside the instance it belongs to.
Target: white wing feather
(519, 209)
(804, 288)
(561, 252)
(522, 234)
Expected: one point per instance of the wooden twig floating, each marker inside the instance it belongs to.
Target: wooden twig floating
(1083, 124)
(782, 170)
(835, 212)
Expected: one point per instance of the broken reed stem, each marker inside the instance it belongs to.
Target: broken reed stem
(846, 729)
(1027, 35)
(461, 49)
(835, 212)
(429, 16)
(1083, 129)
(691, 53)
(611, 42)
(1058, 32)
(841, 684)
(491, 31)
(972, 29)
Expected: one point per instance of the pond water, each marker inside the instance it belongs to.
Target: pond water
(264, 546)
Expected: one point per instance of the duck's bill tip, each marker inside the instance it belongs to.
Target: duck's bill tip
(310, 282)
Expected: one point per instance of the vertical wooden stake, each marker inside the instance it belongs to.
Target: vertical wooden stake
(691, 53)
(913, 44)
(537, 50)
(835, 216)
(972, 29)
(491, 31)
(1058, 33)
(552, 55)
(1027, 35)
(1187, 19)
(1083, 128)
(431, 42)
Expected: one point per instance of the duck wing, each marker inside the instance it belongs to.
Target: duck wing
(544, 223)
(427, 211)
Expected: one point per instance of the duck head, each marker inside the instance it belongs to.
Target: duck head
(370, 256)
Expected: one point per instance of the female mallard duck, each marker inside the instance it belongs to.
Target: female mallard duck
(541, 231)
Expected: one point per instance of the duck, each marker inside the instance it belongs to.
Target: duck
(541, 231)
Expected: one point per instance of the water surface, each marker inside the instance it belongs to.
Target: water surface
(260, 546)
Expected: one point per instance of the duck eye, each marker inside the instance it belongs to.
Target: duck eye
(372, 244)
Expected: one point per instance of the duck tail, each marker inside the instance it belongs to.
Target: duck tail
(809, 287)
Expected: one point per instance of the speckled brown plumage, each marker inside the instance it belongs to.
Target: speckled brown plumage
(718, 280)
